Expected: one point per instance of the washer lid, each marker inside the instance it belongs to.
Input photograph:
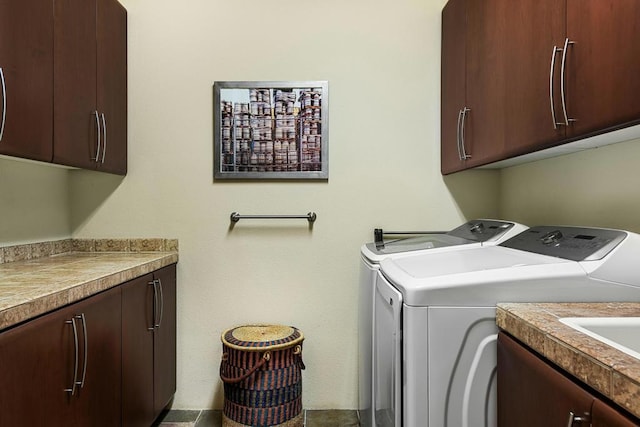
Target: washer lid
(481, 276)
(428, 266)
(474, 231)
(426, 241)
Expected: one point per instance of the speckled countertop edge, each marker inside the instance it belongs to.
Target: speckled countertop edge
(41, 277)
(608, 370)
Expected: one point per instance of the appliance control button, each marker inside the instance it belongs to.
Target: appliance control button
(477, 228)
(552, 237)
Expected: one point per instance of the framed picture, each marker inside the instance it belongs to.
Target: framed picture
(271, 130)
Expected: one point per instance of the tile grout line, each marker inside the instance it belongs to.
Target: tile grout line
(195, 423)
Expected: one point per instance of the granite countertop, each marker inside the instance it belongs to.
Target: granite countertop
(608, 370)
(40, 277)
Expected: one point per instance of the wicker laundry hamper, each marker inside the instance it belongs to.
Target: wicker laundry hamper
(261, 370)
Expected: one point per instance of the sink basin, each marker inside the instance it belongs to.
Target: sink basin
(622, 333)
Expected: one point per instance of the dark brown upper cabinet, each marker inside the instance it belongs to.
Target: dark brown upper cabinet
(521, 76)
(90, 85)
(603, 64)
(26, 69)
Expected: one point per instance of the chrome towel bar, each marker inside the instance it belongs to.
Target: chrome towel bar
(311, 217)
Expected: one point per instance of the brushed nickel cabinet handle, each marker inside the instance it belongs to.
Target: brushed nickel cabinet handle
(86, 349)
(555, 51)
(458, 140)
(586, 418)
(104, 138)
(465, 156)
(567, 42)
(155, 304)
(161, 303)
(98, 135)
(75, 363)
(4, 103)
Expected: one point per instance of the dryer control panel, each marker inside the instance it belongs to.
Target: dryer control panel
(481, 230)
(573, 243)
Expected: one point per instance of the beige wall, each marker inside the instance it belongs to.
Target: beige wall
(34, 203)
(381, 61)
(591, 188)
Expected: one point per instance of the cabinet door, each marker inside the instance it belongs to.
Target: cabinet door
(36, 369)
(452, 98)
(165, 339)
(112, 85)
(603, 415)
(26, 61)
(40, 361)
(98, 400)
(603, 63)
(148, 346)
(75, 121)
(531, 393)
(508, 75)
(137, 352)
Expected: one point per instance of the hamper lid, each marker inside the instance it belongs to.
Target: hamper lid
(262, 337)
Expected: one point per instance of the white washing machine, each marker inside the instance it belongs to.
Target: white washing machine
(434, 328)
(476, 233)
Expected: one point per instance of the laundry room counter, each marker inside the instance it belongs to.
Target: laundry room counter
(41, 277)
(608, 370)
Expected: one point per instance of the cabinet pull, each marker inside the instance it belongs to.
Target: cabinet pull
(567, 42)
(458, 135)
(161, 303)
(586, 418)
(98, 135)
(555, 51)
(104, 138)
(86, 349)
(155, 304)
(465, 156)
(75, 363)
(4, 103)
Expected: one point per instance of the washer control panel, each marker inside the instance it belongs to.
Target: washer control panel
(574, 243)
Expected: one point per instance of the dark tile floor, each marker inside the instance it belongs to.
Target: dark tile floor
(315, 418)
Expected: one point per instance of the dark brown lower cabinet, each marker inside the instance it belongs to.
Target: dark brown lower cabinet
(109, 360)
(137, 352)
(533, 393)
(164, 343)
(603, 415)
(148, 346)
(64, 368)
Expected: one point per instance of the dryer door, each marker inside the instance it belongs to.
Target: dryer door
(368, 273)
(387, 355)
(462, 366)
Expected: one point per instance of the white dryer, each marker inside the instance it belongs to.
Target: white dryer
(475, 233)
(434, 328)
